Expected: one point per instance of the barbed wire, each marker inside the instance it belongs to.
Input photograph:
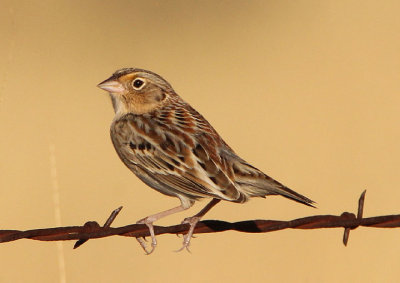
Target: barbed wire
(92, 230)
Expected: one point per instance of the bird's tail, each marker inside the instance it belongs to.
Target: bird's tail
(254, 183)
(280, 189)
(262, 185)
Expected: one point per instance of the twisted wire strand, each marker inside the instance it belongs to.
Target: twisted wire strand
(92, 230)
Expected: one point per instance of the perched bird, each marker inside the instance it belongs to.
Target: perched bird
(174, 150)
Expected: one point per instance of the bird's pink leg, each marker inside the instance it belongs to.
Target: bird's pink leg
(193, 222)
(149, 222)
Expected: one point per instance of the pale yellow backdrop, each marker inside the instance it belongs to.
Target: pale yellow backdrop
(307, 91)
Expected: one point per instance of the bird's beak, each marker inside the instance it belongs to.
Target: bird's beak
(111, 85)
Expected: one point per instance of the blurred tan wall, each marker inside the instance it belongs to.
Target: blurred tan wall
(307, 91)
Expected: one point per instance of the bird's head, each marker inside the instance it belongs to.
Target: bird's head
(137, 91)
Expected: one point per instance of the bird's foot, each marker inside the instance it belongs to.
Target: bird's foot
(192, 221)
(142, 240)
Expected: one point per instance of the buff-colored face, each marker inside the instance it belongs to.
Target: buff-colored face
(136, 91)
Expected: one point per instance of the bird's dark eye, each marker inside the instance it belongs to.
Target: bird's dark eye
(138, 83)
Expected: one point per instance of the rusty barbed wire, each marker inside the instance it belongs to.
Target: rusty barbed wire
(92, 230)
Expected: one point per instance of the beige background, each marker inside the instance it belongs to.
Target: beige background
(308, 91)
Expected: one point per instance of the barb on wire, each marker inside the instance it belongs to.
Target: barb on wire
(94, 225)
(92, 230)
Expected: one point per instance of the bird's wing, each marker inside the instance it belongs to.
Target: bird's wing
(187, 161)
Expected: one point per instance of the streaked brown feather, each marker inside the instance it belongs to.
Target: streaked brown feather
(189, 162)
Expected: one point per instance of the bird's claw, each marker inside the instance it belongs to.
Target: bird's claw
(179, 235)
(144, 246)
(185, 245)
(142, 240)
(192, 221)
